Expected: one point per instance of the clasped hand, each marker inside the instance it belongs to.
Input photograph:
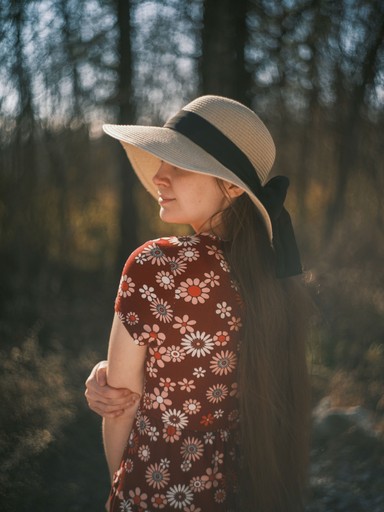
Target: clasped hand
(105, 400)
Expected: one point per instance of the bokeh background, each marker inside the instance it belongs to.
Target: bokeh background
(71, 212)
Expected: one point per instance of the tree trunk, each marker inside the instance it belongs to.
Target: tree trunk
(128, 213)
(224, 38)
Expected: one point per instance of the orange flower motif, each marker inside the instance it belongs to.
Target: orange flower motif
(194, 291)
(207, 420)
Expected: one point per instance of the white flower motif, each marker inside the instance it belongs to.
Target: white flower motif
(147, 292)
(179, 496)
(199, 372)
(155, 255)
(177, 265)
(144, 453)
(223, 363)
(211, 279)
(189, 254)
(184, 241)
(153, 434)
(175, 418)
(162, 310)
(184, 324)
(198, 344)
(223, 309)
(165, 280)
(126, 286)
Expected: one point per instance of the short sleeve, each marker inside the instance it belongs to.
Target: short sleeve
(142, 301)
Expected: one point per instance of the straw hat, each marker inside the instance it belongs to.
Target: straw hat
(222, 138)
(211, 135)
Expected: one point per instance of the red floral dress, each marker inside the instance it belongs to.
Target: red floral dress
(176, 296)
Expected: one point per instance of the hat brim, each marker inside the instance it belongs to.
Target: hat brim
(147, 146)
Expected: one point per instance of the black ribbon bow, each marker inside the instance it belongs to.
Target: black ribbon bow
(272, 195)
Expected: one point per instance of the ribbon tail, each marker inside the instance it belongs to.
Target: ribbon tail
(284, 242)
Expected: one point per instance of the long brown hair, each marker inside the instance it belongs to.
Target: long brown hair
(273, 379)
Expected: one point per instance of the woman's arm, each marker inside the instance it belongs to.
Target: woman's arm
(103, 399)
(125, 370)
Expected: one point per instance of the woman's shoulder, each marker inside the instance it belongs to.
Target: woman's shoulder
(170, 249)
(175, 243)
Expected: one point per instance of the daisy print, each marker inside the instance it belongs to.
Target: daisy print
(209, 437)
(177, 266)
(157, 476)
(126, 287)
(186, 465)
(235, 323)
(165, 463)
(224, 265)
(160, 399)
(162, 310)
(179, 496)
(155, 255)
(186, 385)
(128, 465)
(176, 353)
(189, 254)
(207, 420)
(171, 433)
(152, 333)
(147, 292)
(199, 372)
(167, 383)
(184, 324)
(198, 344)
(221, 338)
(184, 241)
(144, 453)
(217, 393)
(192, 448)
(165, 280)
(211, 478)
(193, 291)
(141, 258)
(131, 318)
(159, 356)
(151, 369)
(191, 406)
(223, 310)
(211, 279)
(223, 363)
(153, 434)
(220, 495)
(196, 484)
(138, 498)
(176, 418)
(159, 501)
(214, 251)
(143, 424)
(125, 506)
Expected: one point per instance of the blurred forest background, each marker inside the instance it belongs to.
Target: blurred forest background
(71, 212)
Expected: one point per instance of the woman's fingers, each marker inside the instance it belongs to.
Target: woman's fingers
(105, 400)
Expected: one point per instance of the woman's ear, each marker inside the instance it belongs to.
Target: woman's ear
(233, 190)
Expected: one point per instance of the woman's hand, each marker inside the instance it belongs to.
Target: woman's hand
(105, 400)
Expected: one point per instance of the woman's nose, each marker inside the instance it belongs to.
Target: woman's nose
(162, 175)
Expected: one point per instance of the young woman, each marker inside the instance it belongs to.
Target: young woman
(209, 330)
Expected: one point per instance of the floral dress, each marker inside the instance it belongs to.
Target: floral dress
(176, 296)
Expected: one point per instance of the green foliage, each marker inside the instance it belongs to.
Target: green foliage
(37, 402)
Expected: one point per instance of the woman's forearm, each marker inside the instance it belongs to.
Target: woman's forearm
(116, 432)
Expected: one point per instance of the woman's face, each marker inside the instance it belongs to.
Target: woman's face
(190, 198)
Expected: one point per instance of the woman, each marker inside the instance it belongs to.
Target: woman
(209, 329)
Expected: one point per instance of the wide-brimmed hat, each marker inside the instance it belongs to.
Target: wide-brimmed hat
(216, 136)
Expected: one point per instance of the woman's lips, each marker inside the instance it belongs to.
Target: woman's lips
(164, 200)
